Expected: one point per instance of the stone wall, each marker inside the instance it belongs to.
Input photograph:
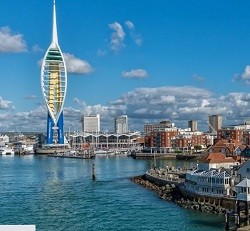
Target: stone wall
(171, 192)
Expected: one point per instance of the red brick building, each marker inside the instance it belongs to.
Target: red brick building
(230, 133)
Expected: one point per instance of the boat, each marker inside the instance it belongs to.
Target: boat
(52, 149)
(5, 150)
(74, 154)
(100, 152)
(23, 149)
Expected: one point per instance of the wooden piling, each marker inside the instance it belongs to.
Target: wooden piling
(93, 172)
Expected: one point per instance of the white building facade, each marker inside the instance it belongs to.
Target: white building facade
(209, 183)
(121, 124)
(91, 123)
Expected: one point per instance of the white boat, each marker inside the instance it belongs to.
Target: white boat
(6, 151)
(20, 148)
(100, 152)
(29, 149)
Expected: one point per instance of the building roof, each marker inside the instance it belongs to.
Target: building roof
(225, 144)
(244, 183)
(217, 157)
(242, 147)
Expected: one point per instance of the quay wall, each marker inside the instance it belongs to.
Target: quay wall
(158, 181)
(142, 155)
(172, 192)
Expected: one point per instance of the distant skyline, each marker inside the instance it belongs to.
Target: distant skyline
(151, 60)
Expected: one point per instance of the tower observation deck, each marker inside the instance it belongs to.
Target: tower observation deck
(54, 86)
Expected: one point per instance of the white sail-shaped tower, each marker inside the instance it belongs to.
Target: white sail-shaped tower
(54, 82)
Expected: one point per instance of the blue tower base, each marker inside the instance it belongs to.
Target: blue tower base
(50, 131)
(50, 124)
(60, 129)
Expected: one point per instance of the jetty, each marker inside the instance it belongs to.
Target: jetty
(74, 155)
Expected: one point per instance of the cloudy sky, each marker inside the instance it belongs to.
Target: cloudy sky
(152, 60)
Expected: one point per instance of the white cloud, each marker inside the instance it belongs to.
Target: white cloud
(82, 104)
(101, 52)
(11, 42)
(6, 104)
(198, 78)
(135, 73)
(177, 104)
(129, 24)
(31, 97)
(37, 49)
(75, 65)
(245, 76)
(136, 37)
(117, 37)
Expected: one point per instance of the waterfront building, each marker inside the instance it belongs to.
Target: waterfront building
(215, 123)
(208, 183)
(189, 140)
(244, 171)
(243, 190)
(91, 123)
(163, 124)
(54, 87)
(216, 161)
(161, 139)
(121, 124)
(227, 147)
(192, 124)
(232, 132)
(107, 141)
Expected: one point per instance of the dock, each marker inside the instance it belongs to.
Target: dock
(145, 155)
(63, 155)
(178, 156)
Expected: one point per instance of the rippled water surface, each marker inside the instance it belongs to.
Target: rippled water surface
(59, 194)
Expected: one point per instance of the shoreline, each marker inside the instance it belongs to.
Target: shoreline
(172, 193)
(168, 156)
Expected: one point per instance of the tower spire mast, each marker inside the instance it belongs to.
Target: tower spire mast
(54, 32)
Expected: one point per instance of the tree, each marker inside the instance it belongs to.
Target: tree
(197, 147)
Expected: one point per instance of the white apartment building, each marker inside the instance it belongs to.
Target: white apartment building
(121, 124)
(91, 123)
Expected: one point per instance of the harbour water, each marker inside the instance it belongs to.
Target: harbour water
(59, 194)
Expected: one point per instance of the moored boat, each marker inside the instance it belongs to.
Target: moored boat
(6, 151)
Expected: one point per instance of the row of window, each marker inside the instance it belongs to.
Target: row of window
(217, 191)
(206, 189)
(214, 180)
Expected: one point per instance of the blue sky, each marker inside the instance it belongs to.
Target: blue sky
(152, 60)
